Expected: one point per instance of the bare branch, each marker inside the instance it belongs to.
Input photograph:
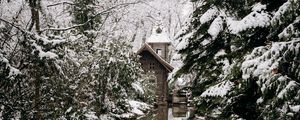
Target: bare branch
(69, 3)
(65, 29)
(93, 17)
(30, 34)
(22, 30)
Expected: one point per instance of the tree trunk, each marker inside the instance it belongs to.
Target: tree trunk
(35, 17)
(35, 5)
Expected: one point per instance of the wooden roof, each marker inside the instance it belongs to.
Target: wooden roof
(147, 47)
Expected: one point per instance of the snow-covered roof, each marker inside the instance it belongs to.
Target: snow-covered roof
(158, 36)
(146, 47)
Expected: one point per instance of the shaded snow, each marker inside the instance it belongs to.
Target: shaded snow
(138, 107)
(224, 62)
(259, 100)
(181, 82)
(216, 27)
(295, 108)
(282, 9)
(220, 89)
(43, 54)
(263, 60)
(138, 87)
(290, 30)
(184, 42)
(52, 42)
(91, 116)
(283, 92)
(17, 115)
(286, 32)
(68, 110)
(105, 117)
(3, 59)
(220, 53)
(125, 115)
(12, 70)
(252, 20)
(209, 15)
(205, 42)
(1, 25)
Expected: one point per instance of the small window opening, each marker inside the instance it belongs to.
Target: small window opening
(159, 52)
(152, 66)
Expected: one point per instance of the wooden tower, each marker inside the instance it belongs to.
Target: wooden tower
(154, 57)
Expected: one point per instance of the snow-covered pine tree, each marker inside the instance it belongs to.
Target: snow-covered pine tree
(245, 56)
(148, 83)
(56, 68)
(28, 64)
(102, 67)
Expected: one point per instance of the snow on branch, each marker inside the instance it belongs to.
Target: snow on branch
(253, 20)
(12, 70)
(263, 60)
(36, 39)
(290, 86)
(14, 25)
(218, 90)
(209, 15)
(93, 17)
(216, 27)
(290, 30)
(43, 54)
(288, 6)
(295, 108)
(65, 2)
(1, 25)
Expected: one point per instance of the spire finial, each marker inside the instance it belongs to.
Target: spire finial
(158, 30)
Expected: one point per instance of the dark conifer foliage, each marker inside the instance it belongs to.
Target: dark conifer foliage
(237, 51)
(58, 62)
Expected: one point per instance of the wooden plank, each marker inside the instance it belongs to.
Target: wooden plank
(179, 99)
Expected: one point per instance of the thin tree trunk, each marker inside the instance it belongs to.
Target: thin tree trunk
(34, 4)
(35, 17)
